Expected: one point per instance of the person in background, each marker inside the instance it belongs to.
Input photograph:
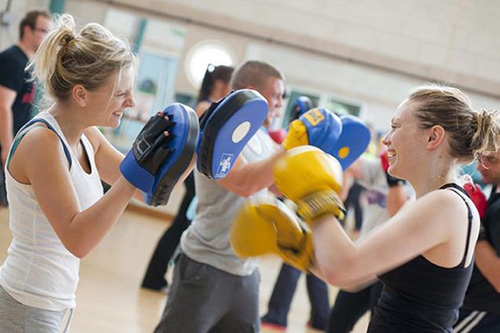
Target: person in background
(480, 312)
(288, 277)
(353, 202)
(213, 289)
(17, 91)
(215, 85)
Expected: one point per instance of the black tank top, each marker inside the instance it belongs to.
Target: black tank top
(420, 296)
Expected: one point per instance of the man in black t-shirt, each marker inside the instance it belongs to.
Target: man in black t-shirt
(17, 94)
(481, 309)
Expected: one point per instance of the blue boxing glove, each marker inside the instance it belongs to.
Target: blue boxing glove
(352, 142)
(318, 127)
(226, 127)
(156, 162)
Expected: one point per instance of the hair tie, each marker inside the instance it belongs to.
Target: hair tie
(69, 39)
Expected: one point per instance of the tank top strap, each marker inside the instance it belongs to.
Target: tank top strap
(458, 189)
(26, 128)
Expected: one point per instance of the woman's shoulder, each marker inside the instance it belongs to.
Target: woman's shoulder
(38, 149)
(40, 143)
(443, 200)
(445, 206)
(38, 136)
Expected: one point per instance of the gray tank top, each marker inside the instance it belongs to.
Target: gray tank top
(207, 238)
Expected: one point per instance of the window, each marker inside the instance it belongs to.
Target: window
(202, 55)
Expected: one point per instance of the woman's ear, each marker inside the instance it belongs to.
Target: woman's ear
(435, 136)
(79, 94)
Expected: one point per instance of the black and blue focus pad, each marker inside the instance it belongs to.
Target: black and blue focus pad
(225, 128)
(156, 162)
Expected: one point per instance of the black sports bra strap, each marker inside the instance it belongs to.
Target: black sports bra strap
(22, 132)
(455, 188)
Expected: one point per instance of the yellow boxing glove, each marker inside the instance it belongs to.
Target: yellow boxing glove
(265, 225)
(296, 135)
(313, 180)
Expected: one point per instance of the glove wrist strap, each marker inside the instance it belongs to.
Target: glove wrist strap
(320, 203)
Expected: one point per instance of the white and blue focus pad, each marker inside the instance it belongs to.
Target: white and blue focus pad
(226, 128)
(352, 142)
(156, 162)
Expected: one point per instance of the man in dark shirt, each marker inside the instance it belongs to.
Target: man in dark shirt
(16, 92)
(481, 309)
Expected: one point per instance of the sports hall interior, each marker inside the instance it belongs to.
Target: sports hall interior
(360, 57)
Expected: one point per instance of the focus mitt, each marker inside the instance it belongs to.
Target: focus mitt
(156, 162)
(226, 127)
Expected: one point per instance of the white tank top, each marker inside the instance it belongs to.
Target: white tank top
(39, 271)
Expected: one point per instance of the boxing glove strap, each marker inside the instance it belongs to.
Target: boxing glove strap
(320, 203)
(150, 147)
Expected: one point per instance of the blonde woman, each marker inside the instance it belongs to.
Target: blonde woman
(58, 212)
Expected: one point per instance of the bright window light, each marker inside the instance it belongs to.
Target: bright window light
(203, 55)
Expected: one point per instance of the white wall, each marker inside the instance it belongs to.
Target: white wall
(365, 46)
(10, 34)
(452, 40)
(381, 91)
(371, 51)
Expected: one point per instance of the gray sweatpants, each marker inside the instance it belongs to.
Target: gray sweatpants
(19, 318)
(205, 299)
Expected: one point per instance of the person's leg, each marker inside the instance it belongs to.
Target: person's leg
(348, 204)
(347, 310)
(196, 299)
(358, 210)
(470, 321)
(318, 297)
(154, 278)
(243, 314)
(282, 296)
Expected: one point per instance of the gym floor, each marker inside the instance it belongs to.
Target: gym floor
(109, 299)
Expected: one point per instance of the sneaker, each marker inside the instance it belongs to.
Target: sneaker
(264, 323)
(274, 327)
(165, 290)
(162, 289)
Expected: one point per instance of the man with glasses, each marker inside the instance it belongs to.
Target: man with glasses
(17, 93)
(480, 312)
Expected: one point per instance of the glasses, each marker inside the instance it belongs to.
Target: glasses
(43, 31)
